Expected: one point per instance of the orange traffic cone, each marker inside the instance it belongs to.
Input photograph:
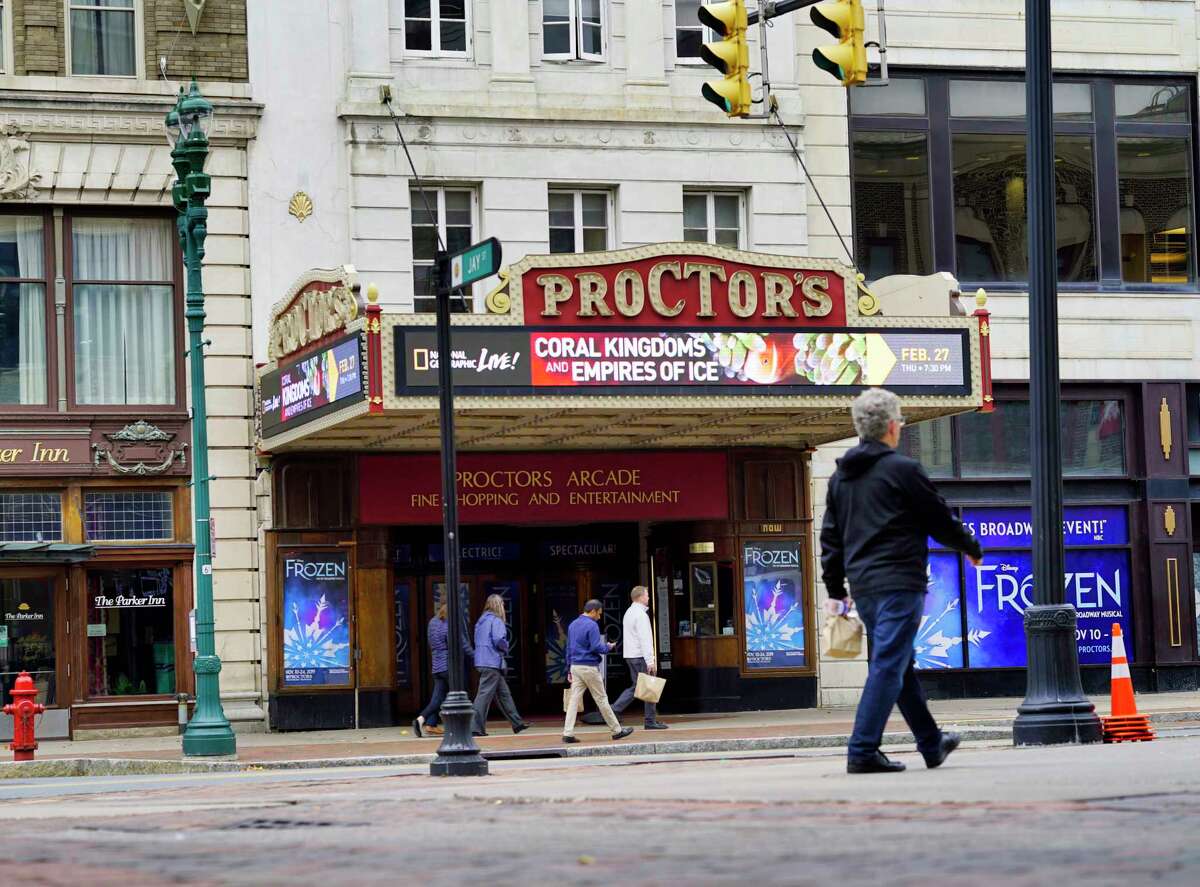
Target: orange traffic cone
(1124, 724)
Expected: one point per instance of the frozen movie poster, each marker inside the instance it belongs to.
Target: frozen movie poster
(939, 639)
(316, 624)
(774, 607)
(562, 606)
(1097, 583)
(511, 592)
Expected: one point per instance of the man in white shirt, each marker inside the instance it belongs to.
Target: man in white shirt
(638, 650)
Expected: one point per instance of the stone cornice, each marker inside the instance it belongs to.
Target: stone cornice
(124, 118)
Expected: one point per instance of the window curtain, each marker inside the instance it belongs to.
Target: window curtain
(102, 40)
(124, 331)
(31, 347)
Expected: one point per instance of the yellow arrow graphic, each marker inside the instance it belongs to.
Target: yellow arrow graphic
(880, 359)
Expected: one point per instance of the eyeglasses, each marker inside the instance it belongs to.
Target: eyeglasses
(901, 421)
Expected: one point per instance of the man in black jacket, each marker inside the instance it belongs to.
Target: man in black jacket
(880, 511)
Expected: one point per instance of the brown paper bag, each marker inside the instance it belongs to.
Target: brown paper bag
(649, 687)
(843, 637)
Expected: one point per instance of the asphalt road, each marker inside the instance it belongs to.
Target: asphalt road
(1126, 815)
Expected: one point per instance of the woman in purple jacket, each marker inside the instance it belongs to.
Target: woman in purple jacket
(439, 646)
(491, 643)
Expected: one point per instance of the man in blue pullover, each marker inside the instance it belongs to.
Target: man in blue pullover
(585, 648)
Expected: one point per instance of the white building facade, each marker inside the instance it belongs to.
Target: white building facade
(576, 125)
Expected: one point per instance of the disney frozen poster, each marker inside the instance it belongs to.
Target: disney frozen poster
(939, 641)
(773, 604)
(316, 620)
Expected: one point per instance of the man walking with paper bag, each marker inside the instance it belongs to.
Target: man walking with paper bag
(638, 650)
(880, 510)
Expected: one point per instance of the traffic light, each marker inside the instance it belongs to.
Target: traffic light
(848, 60)
(730, 56)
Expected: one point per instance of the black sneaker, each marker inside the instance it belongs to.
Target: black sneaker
(877, 763)
(950, 741)
(622, 733)
(417, 729)
(479, 733)
(570, 740)
(524, 725)
(657, 725)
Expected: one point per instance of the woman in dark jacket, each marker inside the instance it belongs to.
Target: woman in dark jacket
(437, 636)
(491, 643)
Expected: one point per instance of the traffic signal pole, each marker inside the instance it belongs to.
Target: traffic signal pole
(1055, 709)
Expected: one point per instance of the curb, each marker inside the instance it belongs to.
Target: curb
(971, 731)
(79, 767)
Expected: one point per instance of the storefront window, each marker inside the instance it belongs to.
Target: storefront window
(995, 444)
(130, 632)
(27, 635)
(931, 443)
(891, 191)
(1193, 424)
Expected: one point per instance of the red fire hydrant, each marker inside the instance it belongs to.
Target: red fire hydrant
(22, 709)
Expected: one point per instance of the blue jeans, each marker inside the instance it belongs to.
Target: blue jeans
(891, 620)
(432, 712)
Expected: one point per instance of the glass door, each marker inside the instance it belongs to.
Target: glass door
(29, 608)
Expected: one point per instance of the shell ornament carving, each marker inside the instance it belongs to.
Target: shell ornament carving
(301, 206)
(17, 182)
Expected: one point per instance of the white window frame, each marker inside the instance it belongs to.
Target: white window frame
(435, 31)
(437, 196)
(6, 46)
(576, 52)
(139, 38)
(710, 219)
(577, 215)
(707, 35)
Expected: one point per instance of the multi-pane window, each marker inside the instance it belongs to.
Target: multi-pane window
(103, 35)
(997, 444)
(23, 360)
(4, 35)
(712, 218)
(573, 29)
(123, 301)
(940, 180)
(120, 516)
(444, 212)
(578, 221)
(689, 33)
(437, 27)
(30, 517)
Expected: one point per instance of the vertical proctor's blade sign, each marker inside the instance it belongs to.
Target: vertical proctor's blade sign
(316, 619)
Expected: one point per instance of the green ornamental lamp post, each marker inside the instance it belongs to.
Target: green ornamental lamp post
(208, 733)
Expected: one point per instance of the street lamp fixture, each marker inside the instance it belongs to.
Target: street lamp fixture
(208, 733)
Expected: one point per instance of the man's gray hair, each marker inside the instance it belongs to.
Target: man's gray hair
(872, 411)
(638, 591)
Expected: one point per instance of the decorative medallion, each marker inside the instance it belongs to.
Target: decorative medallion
(1164, 429)
(17, 182)
(1169, 520)
(146, 443)
(301, 206)
(140, 431)
(194, 8)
